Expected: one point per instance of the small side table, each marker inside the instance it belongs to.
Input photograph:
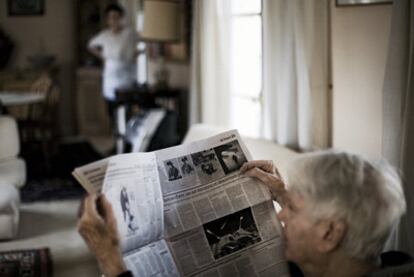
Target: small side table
(10, 99)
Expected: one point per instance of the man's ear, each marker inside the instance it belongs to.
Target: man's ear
(330, 234)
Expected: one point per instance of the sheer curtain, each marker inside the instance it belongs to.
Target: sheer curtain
(295, 88)
(295, 69)
(210, 89)
(398, 113)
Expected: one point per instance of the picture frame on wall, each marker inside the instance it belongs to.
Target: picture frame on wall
(350, 3)
(25, 7)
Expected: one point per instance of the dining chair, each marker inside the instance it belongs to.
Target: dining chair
(40, 85)
(41, 125)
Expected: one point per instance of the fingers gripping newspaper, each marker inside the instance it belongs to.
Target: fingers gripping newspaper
(187, 211)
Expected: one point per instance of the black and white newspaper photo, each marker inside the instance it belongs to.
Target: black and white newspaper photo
(231, 233)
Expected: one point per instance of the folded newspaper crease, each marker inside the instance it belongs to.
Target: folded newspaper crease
(187, 211)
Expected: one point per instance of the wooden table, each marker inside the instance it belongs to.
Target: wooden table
(9, 99)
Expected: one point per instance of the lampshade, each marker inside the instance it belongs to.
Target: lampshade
(161, 21)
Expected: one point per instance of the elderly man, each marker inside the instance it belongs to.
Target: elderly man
(338, 210)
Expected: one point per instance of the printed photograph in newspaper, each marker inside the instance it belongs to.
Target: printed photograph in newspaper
(186, 166)
(230, 156)
(232, 233)
(171, 167)
(126, 199)
(178, 173)
(208, 167)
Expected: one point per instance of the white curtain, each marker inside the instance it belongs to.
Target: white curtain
(295, 89)
(210, 90)
(398, 112)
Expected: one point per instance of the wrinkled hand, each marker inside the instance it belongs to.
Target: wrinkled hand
(97, 226)
(268, 174)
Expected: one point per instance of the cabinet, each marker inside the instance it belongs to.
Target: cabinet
(91, 108)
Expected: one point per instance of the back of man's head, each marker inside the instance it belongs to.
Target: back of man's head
(367, 196)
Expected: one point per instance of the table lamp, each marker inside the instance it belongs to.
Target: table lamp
(161, 25)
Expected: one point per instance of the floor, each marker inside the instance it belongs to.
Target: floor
(53, 224)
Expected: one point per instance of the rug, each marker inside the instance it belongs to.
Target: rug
(51, 189)
(26, 263)
(56, 183)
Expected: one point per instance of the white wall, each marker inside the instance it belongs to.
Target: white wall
(359, 51)
(56, 29)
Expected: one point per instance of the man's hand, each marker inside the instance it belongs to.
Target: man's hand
(268, 174)
(97, 226)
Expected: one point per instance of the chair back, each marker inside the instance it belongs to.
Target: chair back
(43, 85)
(9, 138)
(51, 103)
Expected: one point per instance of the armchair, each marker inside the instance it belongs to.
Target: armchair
(12, 177)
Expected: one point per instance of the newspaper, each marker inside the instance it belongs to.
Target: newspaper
(187, 211)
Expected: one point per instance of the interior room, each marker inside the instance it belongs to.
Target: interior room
(101, 82)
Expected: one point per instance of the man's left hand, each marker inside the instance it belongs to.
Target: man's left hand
(97, 226)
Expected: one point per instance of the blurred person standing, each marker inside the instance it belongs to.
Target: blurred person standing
(116, 46)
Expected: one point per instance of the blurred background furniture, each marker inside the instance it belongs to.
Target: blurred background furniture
(39, 127)
(132, 102)
(12, 99)
(31, 96)
(12, 177)
(26, 80)
(9, 211)
(90, 105)
(39, 122)
(12, 168)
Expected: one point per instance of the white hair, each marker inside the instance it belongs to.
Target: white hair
(367, 196)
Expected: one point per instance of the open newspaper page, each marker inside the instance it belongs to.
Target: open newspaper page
(217, 221)
(186, 210)
(132, 186)
(91, 176)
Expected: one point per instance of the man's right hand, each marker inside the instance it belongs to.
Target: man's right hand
(268, 174)
(97, 226)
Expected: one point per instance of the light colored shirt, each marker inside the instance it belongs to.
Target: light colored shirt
(118, 51)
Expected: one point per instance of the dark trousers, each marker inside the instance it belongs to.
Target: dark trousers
(111, 110)
(112, 113)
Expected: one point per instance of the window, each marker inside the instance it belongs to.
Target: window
(246, 67)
